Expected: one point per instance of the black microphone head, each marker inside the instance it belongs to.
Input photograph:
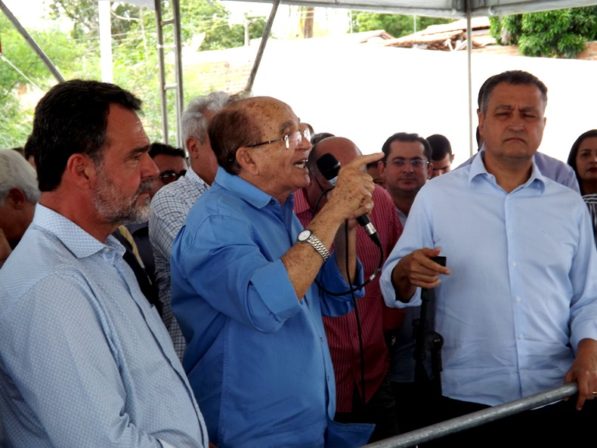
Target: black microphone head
(328, 166)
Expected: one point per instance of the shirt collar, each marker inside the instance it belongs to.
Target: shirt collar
(74, 238)
(477, 170)
(247, 191)
(194, 177)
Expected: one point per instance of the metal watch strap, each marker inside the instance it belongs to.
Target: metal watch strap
(318, 246)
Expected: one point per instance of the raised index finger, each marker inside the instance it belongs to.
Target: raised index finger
(362, 161)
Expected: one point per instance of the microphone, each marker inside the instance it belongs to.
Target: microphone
(329, 167)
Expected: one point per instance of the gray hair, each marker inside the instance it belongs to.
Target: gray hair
(16, 172)
(194, 121)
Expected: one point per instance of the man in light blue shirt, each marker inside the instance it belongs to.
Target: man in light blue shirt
(85, 360)
(517, 304)
(249, 286)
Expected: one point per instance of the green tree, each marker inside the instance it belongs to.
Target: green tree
(561, 33)
(85, 19)
(21, 72)
(395, 24)
(135, 62)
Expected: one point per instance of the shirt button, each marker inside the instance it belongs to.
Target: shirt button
(518, 299)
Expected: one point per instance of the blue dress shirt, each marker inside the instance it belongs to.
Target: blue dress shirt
(85, 361)
(523, 286)
(257, 358)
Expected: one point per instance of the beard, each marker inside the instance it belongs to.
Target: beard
(114, 208)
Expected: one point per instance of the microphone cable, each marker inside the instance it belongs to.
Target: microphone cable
(358, 319)
(369, 279)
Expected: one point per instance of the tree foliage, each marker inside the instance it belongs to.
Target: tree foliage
(85, 19)
(208, 17)
(395, 24)
(561, 33)
(21, 72)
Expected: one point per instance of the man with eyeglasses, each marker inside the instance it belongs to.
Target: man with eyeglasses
(170, 161)
(405, 169)
(250, 285)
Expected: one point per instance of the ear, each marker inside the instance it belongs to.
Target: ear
(192, 145)
(17, 199)
(80, 171)
(381, 166)
(481, 121)
(245, 158)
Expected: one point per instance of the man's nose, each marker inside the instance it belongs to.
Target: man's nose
(149, 168)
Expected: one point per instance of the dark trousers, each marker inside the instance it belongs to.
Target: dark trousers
(416, 405)
(540, 427)
(380, 410)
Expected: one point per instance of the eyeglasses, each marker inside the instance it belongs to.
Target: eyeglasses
(291, 140)
(169, 176)
(415, 163)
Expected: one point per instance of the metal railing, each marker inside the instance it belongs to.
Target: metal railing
(476, 418)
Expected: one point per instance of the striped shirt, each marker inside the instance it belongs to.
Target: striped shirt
(169, 209)
(591, 201)
(341, 331)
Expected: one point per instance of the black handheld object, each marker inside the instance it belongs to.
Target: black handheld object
(329, 167)
(428, 340)
(440, 259)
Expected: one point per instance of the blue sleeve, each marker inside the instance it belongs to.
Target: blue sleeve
(416, 235)
(584, 283)
(331, 279)
(219, 260)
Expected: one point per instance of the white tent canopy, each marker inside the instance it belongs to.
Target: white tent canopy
(445, 8)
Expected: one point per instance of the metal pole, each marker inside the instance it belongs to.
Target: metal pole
(476, 418)
(178, 70)
(164, 99)
(469, 55)
(264, 38)
(105, 34)
(46, 60)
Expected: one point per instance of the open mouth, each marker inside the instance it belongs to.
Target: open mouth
(301, 163)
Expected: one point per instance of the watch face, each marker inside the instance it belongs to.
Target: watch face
(304, 235)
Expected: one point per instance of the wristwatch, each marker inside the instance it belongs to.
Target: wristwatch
(306, 236)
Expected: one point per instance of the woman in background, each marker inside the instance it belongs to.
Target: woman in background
(583, 159)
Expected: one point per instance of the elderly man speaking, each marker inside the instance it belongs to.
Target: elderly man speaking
(249, 285)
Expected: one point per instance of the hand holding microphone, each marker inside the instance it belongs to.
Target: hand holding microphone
(353, 187)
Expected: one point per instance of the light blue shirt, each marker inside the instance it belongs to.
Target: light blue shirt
(85, 360)
(257, 358)
(523, 286)
(169, 209)
(551, 168)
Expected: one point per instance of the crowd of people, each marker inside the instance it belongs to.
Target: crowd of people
(268, 286)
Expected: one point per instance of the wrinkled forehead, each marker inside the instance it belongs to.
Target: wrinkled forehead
(273, 116)
(526, 94)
